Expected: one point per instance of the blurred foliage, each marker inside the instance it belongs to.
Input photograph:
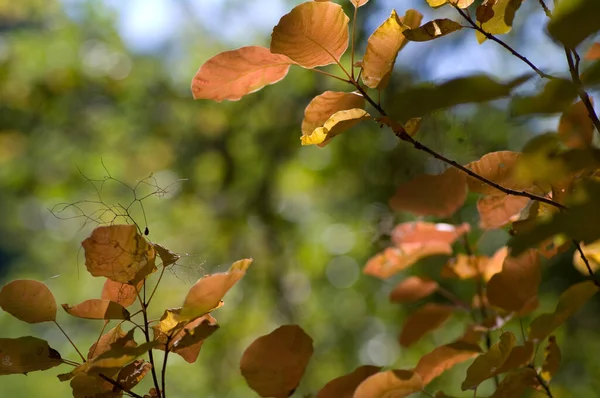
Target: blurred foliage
(77, 104)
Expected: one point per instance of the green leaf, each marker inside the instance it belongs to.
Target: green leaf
(557, 95)
(501, 22)
(574, 20)
(432, 30)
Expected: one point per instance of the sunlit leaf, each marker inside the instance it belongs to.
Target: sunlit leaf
(484, 365)
(208, 291)
(443, 358)
(412, 126)
(28, 300)
(421, 232)
(133, 373)
(592, 254)
(502, 21)
(521, 277)
(114, 359)
(575, 128)
(359, 3)
(569, 302)
(432, 30)
(516, 383)
(166, 256)
(390, 384)
(120, 253)
(432, 195)
(464, 267)
(495, 211)
(593, 53)
(413, 289)
(436, 3)
(323, 106)
(383, 47)
(552, 357)
(498, 167)
(114, 336)
(120, 293)
(344, 386)
(494, 265)
(462, 3)
(97, 309)
(274, 364)
(424, 320)
(312, 34)
(335, 125)
(573, 21)
(26, 354)
(395, 259)
(556, 96)
(232, 74)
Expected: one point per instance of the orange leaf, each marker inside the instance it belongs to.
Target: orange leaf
(552, 357)
(274, 364)
(484, 365)
(494, 265)
(359, 3)
(432, 195)
(120, 293)
(97, 309)
(464, 267)
(320, 109)
(594, 52)
(521, 277)
(28, 300)
(498, 167)
(207, 292)
(312, 34)
(232, 74)
(425, 232)
(412, 289)
(495, 211)
(114, 336)
(426, 319)
(393, 259)
(443, 358)
(120, 253)
(390, 384)
(26, 354)
(575, 128)
(344, 386)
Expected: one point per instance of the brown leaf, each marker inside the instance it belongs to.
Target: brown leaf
(485, 11)
(312, 34)
(552, 357)
(593, 53)
(28, 300)
(26, 354)
(421, 232)
(274, 364)
(521, 277)
(426, 319)
(130, 375)
(413, 289)
(484, 365)
(393, 259)
(320, 109)
(432, 30)
(443, 358)
(498, 167)
(120, 253)
(432, 195)
(120, 293)
(495, 211)
(575, 128)
(115, 335)
(87, 386)
(97, 309)
(166, 256)
(389, 384)
(515, 384)
(519, 356)
(344, 386)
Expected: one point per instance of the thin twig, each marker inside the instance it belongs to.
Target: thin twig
(331, 75)
(586, 262)
(119, 386)
(542, 382)
(147, 336)
(546, 9)
(70, 341)
(163, 375)
(583, 95)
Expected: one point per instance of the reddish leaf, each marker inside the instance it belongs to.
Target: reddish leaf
(344, 386)
(393, 259)
(26, 354)
(484, 365)
(412, 289)
(426, 232)
(320, 109)
(274, 364)
(97, 309)
(496, 211)
(443, 358)
(432, 195)
(498, 167)
(389, 384)
(232, 74)
(28, 300)
(426, 319)
(120, 293)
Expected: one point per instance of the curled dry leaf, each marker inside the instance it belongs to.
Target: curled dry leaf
(391, 383)
(432, 30)
(335, 125)
(495, 211)
(320, 108)
(312, 34)
(120, 293)
(432, 195)
(274, 364)
(28, 300)
(166, 256)
(484, 365)
(552, 357)
(426, 319)
(120, 253)
(344, 386)
(394, 259)
(208, 291)
(231, 75)
(413, 289)
(26, 354)
(97, 309)
(445, 357)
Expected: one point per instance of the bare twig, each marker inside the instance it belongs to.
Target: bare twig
(542, 382)
(147, 336)
(583, 95)
(70, 341)
(586, 262)
(545, 8)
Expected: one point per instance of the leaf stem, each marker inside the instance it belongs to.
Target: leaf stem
(70, 341)
(147, 336)
(352, 42)
(331, 75)
(586, 262)
(162, 272)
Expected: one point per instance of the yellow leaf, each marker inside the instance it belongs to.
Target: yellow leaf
(389, 384)
(232, 74)
(501, 22)
(592, 253)
(323, 106)
(443, 358)
(412, 126)
(432, 30)
(26, 354)
(464, 267)
(575, 128)
(28, 300)
(97, 309)
(462, 3)
(484, 365)
(344, 386)
(552, 357)
(335, 125)
(436, 3)
(312, 34)
(426, 319)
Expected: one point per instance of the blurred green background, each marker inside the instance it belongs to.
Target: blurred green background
(92, 88)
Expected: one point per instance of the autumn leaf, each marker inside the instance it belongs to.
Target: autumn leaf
(498, 167)
(485, 11)
(344, 386)
(130, 375)
(519, 356)
(116, 336)
(552, 357)
(86, 386)
(575, 127)
(501, 22)
(274, 364)
(412, 289)
(208, 291)
(26, 354)
(421, 232)
(462, 3)
(120, 293)
(516, 383)
(494, 265)
(591, 253)
(484, 365)
(359, 3)
(521, 277)
(464, 267)
(231, 75)
(445, 357)
(436, 3)
(97, 309)
(320, 109)
(495, 211)
(391, 383)
(28, 300)
(335, 125)
(425, 319)
(432, 195)
(312, 34)
(432, 30)
(394, 259)
(593, 52)
(111, 361)
(166, 256)
(573, 21)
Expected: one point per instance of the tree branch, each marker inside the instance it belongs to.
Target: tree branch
(583, 95)
(119, 386)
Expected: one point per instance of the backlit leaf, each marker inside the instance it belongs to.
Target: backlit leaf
(432, 30)
(485, 11)
(120, 293)
(422, 232)
(312, 34)
(28, 300)
(516, 383)
(573, 21)
(502, 21)
(412, 126)
(552, 357)
(114, 336)
(231, 75)
(87, 386)
(575, 128)
(207, 292)
(484, 365)
(495, 211)
(498, 167)
(443, 358)
(120, 253)
(462, 3)
(323, 106)
(521, 277)
(274, 364)
(359, 3)
(111, 361)
(494, 265)
(465, 267)
(390, 384)
(26, 354)
(344, 386)
(432, 195)
(425, 319)
(593, 53)
(413, 289)
(592, 253)
(97, 309)
(394, 259)
(436, 3)
(335, 125)
(556, 96)
(569, 303)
